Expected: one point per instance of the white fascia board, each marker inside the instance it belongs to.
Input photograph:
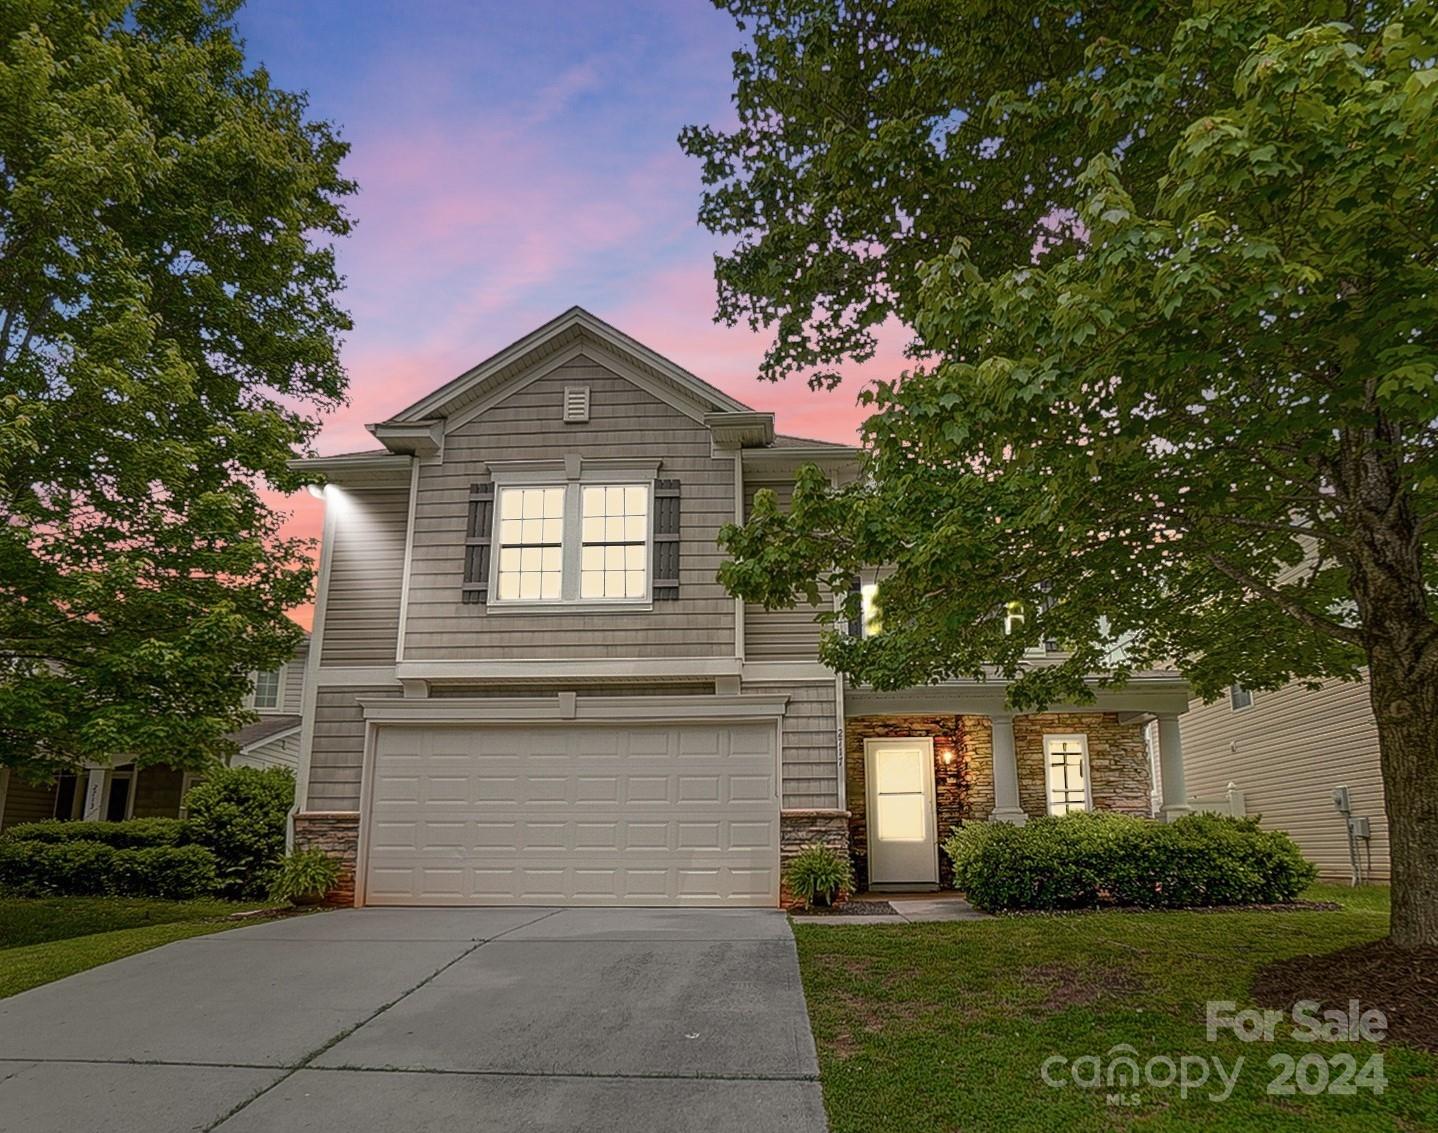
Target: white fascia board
(1149, 696)
(354, 676)
(763, 672)
(358, 470)
(554, 709)
(674, 668)
(271, 738)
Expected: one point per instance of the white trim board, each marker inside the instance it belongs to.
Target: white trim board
(564, 710)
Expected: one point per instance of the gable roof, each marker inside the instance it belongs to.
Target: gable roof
(573, 328)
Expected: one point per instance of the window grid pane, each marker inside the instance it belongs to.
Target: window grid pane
(614, 532)
(267, 689)
(531, 544)
(1066, 777)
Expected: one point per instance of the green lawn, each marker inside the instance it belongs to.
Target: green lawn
(945, 1027)
(44, 939)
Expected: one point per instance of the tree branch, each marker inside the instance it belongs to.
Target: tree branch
(1286, 604)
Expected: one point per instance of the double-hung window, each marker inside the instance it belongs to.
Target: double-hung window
(575, 542)
(1066, 760)
(267, 689)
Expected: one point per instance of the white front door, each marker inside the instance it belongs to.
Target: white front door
(903, 849)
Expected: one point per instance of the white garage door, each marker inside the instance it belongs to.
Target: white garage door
(672, 814)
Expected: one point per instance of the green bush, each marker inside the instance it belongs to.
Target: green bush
(131, 833)
(37, 868)
(818, 874)
(238, 813)
(178, 873)
(1090, 860)
(304, 873)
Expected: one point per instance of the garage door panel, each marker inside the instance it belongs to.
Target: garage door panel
(648, 814)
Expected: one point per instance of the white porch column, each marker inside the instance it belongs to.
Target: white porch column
(1170, 760)
(94, 795)
(1006, 773)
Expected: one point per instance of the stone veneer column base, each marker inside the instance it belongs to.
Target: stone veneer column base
(337, 834)
(800, 828)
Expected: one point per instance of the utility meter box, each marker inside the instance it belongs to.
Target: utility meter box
(1360, 827)
(1340, 800)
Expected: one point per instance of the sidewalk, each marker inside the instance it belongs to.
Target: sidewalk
(909, 908)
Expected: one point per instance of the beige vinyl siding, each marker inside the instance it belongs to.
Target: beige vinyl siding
(25, 802)
(625, 421)
(1293, 747)
(778, 635)
(809, 760)
(367, 564)
(281, 752)
(337, 754)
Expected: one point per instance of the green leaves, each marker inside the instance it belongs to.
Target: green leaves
(169, 336)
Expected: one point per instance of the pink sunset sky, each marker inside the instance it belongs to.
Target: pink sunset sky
(514, 160)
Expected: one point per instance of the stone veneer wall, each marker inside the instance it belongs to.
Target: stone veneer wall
(809, 827)
(1118, 760)
(964, 789)
(337, 834)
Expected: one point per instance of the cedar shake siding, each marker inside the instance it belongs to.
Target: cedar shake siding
(625, 422)
(778, 635)
(361, 622)
(809, 755)
(337, 753)
(1286, 753)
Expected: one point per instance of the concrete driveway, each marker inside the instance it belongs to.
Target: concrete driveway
(427, 1019)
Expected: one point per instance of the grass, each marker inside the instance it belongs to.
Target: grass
(48, 938)
(942, 1027)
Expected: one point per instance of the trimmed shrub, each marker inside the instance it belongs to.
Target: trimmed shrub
(1095, 859)
(239, 813)
(179, 873)
(818, 874)
(132, 832)
(42, 869)
(304, 874)
(37, 868)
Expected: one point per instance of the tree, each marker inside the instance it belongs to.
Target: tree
(1171, 278)
(168, 337)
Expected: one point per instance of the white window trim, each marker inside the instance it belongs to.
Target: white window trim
(279, 704)
(1061, 737)
(572, 542)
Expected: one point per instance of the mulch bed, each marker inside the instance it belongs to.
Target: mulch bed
(850, 909)
(1401, 983)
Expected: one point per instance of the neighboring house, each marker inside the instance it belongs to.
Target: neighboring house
(119, 791)
(527, 686)
(1284, 753)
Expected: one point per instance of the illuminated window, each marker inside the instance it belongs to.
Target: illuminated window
(531, 544)
(1066, 760)
(614, 521)
(873, 623)
(1013, 616)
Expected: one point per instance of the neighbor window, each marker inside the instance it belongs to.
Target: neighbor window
(267, 689)
(1066, 760)
(1013, 616)
(1239, 697)
(573, 542)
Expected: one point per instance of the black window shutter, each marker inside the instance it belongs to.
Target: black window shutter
(477, 541)
(666, 540)
(856, 623)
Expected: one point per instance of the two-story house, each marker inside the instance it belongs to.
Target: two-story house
(526, 686)
(111, 792)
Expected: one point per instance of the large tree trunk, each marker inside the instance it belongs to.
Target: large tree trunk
(1405, 705)
(1400, 638)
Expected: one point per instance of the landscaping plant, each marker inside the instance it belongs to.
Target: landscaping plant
(304, 877)
(818, 875)
(239, 814)
(37, 868)
(1092, 860)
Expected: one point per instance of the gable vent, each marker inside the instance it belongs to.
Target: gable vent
(576, 404)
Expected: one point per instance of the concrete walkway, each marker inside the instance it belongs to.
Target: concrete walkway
(909, 908)
(432, 1019)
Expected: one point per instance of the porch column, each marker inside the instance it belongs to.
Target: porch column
(1170, 760)
(94, 795)
(1006, 773)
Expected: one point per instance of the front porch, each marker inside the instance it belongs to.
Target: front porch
(919, 763)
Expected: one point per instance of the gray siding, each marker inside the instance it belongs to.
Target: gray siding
(157, 792)
(293, 691)
(778, 635)
(809, 761)
(361, 622)
(283, 752)
(1293, 747)
(625, 421)
(337, 755)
